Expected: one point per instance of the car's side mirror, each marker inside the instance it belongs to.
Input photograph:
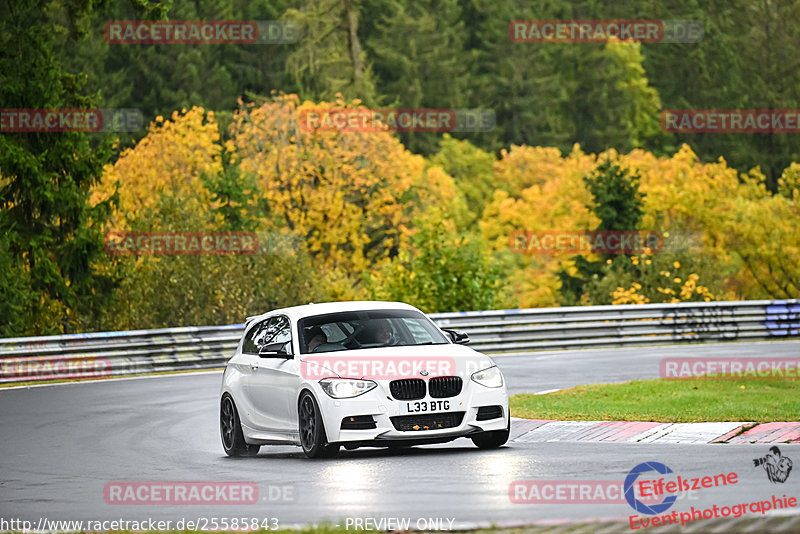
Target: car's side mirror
(458, 336)
(274, 350)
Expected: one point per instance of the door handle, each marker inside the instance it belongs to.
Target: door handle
(254, 366)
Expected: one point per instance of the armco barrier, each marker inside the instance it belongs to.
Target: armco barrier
(494, 331)
(618, 326)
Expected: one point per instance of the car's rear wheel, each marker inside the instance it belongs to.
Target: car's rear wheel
(312, 431)
(493, 439)
(230, 428)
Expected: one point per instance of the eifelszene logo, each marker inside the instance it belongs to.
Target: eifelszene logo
(636, 504)
(777, 467)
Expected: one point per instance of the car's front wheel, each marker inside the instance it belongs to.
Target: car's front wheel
(312, 430)
(230, 428)
(493, 439)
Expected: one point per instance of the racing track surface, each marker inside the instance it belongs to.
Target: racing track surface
(61, 445)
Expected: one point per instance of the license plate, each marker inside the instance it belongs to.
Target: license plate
(428, 406)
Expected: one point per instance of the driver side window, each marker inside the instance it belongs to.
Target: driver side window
(272, 330)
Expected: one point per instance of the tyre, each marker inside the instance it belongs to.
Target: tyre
(230, 429)
(312, 431)
(493, 439)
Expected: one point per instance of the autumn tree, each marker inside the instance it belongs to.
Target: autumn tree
(762, 231)
(172, 159)
(180, 178)
(538, 189)
(350, 197)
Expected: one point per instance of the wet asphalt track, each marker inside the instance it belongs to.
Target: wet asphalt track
(61, 444)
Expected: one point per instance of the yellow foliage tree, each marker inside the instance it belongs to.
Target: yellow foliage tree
(538, 189)
(763, 231)
(750, 232)
(746, 236)
(352, 196)
(170, 160)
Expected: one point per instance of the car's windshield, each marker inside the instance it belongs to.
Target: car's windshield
(366, 329)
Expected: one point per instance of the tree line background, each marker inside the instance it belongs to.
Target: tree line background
(419, 217)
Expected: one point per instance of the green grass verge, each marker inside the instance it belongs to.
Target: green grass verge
(668, 401)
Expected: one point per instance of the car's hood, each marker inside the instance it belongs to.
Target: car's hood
(390, 363)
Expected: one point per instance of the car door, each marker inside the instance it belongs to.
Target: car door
(273, 378)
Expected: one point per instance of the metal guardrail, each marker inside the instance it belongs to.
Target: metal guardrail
(494, 331)
(618, 326)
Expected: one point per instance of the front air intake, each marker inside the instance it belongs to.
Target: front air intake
(486, 413)
(428, 421)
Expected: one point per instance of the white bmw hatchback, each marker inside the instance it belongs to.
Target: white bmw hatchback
(357, 374)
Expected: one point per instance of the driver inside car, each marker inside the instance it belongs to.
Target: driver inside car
(381, 332)
(316, 337)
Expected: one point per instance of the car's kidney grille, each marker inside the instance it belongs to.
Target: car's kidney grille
(407, 389)
(428, 421)
(443, 387)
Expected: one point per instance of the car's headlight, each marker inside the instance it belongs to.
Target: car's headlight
(343, 388)
(491, 377)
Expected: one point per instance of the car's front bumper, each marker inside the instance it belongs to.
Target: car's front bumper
(382, 407)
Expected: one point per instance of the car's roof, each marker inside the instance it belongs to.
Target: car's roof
(308, 310)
